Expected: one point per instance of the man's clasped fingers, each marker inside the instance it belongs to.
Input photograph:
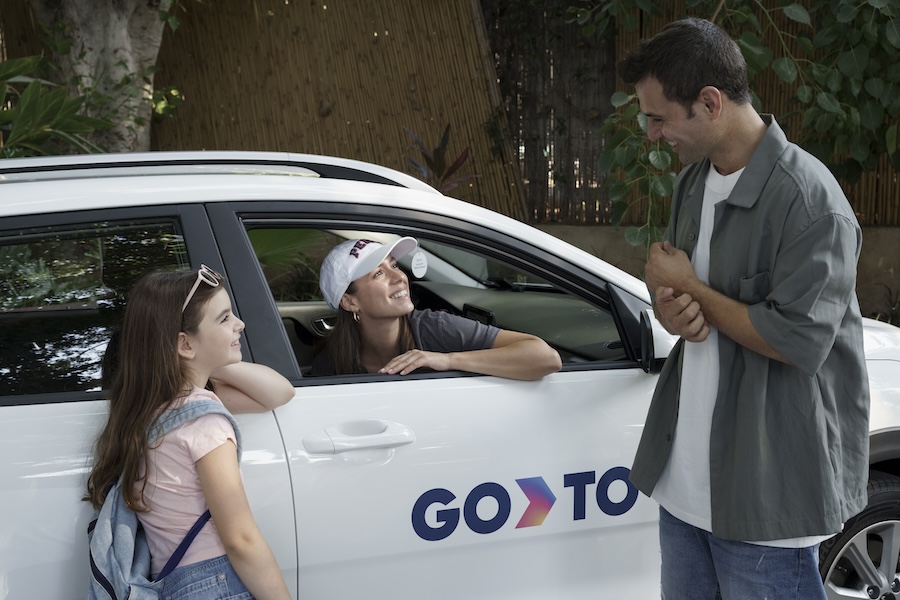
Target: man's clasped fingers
(681, 315)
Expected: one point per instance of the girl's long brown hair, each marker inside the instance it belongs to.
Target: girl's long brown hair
(344, 344)
(149, 375)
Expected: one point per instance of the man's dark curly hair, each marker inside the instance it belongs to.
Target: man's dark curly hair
(686, 56)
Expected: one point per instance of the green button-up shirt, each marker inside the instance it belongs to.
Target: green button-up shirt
(789, 444)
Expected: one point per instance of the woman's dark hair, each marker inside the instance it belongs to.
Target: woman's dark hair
(344, 344)
(148, 376)
(686, 56)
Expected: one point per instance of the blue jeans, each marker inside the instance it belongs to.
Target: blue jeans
(213, 579)
(696, 565)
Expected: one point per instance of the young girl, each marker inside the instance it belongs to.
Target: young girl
(179, 338)
(379, 331)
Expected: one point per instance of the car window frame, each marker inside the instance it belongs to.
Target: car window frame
(199, 243)
(264, 326)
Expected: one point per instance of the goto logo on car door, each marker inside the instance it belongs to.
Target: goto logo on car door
(540, 500)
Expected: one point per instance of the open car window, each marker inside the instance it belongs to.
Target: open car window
(442, 277)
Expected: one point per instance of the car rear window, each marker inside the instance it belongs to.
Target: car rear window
(62, 294)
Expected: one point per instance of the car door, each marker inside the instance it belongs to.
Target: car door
(452, 485)
(63, 287)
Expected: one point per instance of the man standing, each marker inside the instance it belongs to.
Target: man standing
(756, 442)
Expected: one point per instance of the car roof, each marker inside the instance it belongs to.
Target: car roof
(85, 182)
(157, 163)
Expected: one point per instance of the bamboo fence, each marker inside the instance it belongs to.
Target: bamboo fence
(342, 79)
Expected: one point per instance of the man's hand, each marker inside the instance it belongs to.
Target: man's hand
(680, 315)
(669, 267)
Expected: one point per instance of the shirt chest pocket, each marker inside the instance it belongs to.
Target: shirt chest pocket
(753, 289)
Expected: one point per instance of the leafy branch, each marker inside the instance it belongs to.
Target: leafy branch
(644, 165)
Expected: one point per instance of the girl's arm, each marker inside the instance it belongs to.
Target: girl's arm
(245, 546)
(250, 387)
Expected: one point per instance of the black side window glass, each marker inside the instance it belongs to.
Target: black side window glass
(62, 293)
(444, 278)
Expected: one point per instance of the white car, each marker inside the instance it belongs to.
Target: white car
(431, 485)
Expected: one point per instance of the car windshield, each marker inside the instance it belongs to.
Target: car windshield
(487, 272)
(449, 264)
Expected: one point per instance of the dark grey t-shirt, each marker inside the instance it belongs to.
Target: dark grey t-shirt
(433, 332)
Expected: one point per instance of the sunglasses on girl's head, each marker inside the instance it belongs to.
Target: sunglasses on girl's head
(207, 276)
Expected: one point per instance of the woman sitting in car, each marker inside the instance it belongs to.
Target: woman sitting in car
(379, 330)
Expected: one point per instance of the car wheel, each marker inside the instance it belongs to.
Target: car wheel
(862, 560)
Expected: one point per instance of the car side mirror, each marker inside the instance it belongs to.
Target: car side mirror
(656, 342)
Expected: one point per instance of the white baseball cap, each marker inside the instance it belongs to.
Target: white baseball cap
(350, 260)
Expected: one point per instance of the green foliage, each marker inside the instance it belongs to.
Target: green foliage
(164, 102)
(39, 118)
(168, 14)
(434, 168)
(119, 100)
(844, 76)
(644, 165)
(493, 128)
(595, 18)
(27, 281)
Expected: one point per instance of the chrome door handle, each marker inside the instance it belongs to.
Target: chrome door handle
(358, 435)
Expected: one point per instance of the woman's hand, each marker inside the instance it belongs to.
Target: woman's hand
(514, 355)
(416, 359)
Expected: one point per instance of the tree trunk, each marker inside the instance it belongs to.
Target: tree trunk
(106, 50)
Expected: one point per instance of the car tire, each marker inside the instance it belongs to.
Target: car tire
(863, 558)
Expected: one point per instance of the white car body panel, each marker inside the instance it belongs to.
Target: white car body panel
(469, 431)
(43, 525)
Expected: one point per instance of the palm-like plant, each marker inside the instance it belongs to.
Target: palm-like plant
(434, 168)
(39, 118)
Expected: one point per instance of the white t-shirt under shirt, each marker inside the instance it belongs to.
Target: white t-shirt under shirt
(684, 487)
(173, 493)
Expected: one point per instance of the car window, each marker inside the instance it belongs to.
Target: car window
(442, 277)
(62, 293)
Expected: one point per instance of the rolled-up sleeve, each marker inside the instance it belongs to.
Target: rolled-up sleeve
(811, 286)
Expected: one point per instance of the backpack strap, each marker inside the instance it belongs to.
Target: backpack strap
(189, 411)
(165, 423)
(184, 545)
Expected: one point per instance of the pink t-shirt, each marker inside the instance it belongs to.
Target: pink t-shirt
(173, 493)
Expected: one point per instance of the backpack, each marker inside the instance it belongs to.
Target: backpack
(119, 554)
